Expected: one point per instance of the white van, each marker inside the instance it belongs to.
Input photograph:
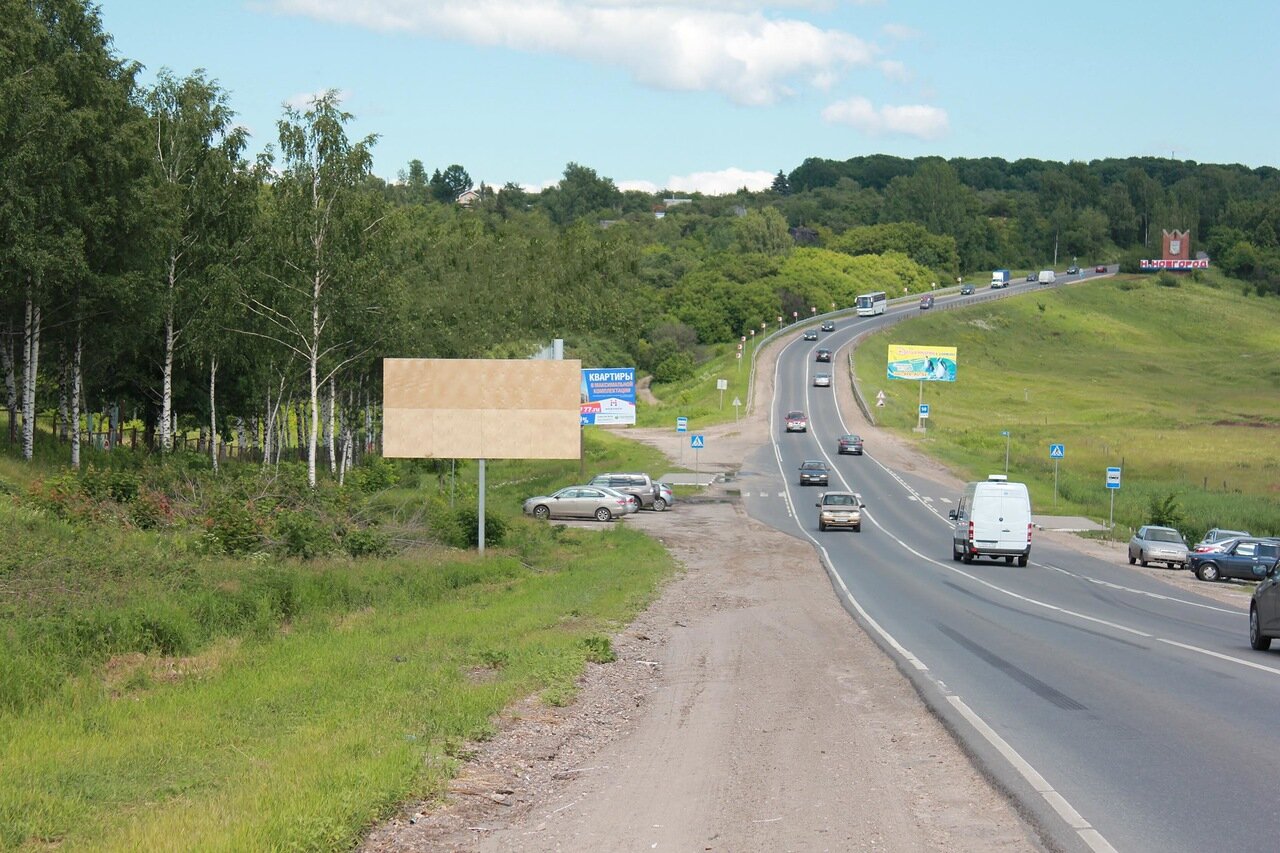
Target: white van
(1046, 277)
(993, 519)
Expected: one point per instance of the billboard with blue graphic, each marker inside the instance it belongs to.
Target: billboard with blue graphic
(923, 364)
(608, 396)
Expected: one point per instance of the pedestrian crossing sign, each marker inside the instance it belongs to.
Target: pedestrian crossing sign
(697, 442)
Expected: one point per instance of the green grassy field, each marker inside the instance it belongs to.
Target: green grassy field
(154, 697)
(1178, 385)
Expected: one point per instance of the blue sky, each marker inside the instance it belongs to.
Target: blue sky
(712, 95)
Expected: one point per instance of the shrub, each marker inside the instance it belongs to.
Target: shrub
(374, 476)
(302, 534)
(234, 526)
(366, 543)
(674, 367)
(599, 649)
(1164, 511)
(150, 510)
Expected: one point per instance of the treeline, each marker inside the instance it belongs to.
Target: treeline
(151, 270)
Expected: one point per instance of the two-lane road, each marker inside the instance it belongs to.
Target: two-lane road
(1123, 712)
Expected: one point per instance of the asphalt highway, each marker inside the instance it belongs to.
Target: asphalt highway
(1121, 712)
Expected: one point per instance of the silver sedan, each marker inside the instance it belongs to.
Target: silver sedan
(1153, 544)
(579, 502)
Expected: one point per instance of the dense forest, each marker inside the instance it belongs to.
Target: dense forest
(150, 270)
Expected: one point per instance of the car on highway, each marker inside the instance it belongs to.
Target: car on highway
(1073, 269)
(1216, 539)
(813, 472)
(1100, 268)
(849, 443)
(811, 335)
(1155, 544)
(1264, 611)
(926, 301)
(822, 380)
(797, 422)
(828, 326)
(840, 509)
(822, 355)
(966, 289)
(1245, 559)
(1033, 276)
(579, 502)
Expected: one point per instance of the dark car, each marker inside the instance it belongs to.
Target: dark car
(822, 355)
(850, 444)
(1073, 269)
(926, 301)
(966, 289)
(813, 472)
(828, 326)
(1100, 268)
(811, 335)
(1031, 276)
(1245, 559)
(1264, 611)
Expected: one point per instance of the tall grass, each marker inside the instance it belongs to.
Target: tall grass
(1176, 385)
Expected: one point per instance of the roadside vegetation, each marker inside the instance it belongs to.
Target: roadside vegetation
(1172, 378)
(246, 663)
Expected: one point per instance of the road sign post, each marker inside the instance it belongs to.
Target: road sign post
(1056, 452)
(697, 442)
(924, 416)
(736, 403)
(1113, 484)
(721, 386)
(682, 425)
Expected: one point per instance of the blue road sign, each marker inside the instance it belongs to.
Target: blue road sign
(697, 442)
(1113, 478)
(924, 410)
(1057, 451)
(682, 424)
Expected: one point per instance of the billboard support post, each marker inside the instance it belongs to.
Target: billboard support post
(480, 514)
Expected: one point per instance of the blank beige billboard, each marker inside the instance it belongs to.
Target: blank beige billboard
(483, 408)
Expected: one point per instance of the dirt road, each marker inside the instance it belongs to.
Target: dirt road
(746, 712)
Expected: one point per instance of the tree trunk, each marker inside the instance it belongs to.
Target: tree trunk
(30, 368)
(330, 434)
(166, 376)
(75, 403)
(10, 381)
(213, 413)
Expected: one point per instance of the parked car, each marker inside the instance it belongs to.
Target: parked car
(822, 380)
(811, 335)
(966, 289)
(840, 509)
(1031, 276)
(1216, 539)
(1264, 611)
(822, 355)
(813, 472)
(1100, 268)
(1073, 269)
(1153, 544)
(633, 502)
(797, 422)
(828, 326)
(577, 502)
(926, 301)
(633, 483)
(1245, 559)
(850, 444)
(667, 492)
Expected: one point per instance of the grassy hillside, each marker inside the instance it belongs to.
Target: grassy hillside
(1178, 384)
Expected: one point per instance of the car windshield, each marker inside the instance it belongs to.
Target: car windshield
(814, 466)
(850, 438)
(791, 416)
(838, 500)
(1157, 535)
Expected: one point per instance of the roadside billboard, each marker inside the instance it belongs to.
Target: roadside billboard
(922, 363)
(608, 396)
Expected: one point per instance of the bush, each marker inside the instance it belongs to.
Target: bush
(302, 534)
(151, 510)
(1164, 511)
(366, 543)
(674, 367)
(374, 476)
(457, 528)
(234, 526)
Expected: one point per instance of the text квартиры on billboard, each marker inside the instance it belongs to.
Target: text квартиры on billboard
(922, 363)
(608, 396)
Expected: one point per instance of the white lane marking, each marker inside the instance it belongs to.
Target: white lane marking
(1221, 656)
(1156, 595)
(1056, 801)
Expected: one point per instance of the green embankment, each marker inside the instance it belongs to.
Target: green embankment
(1177, 384)
(155, 698)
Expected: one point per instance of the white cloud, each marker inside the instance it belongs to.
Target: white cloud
(723, 182)
(726, 46)
(894, 70)
(919, 120)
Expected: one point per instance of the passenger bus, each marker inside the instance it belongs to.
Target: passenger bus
(870, 304)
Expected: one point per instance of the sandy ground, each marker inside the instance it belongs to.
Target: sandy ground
(746, 711)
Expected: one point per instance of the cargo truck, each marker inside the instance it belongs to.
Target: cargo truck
(999, 278)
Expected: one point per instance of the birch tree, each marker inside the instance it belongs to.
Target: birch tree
(320, 217)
